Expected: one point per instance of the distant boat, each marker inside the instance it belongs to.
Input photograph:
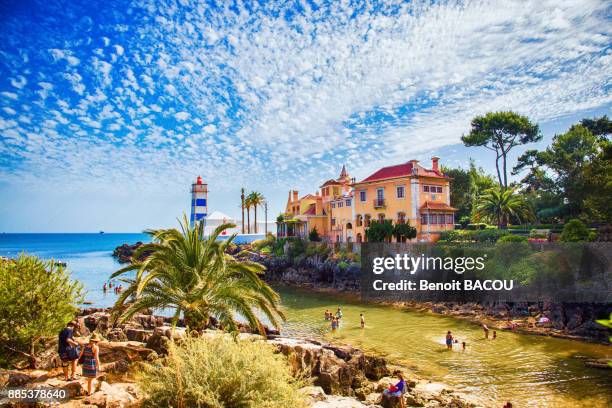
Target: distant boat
(101, 232)
(62, 264)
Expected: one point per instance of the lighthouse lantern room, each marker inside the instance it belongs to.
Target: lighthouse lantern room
(199, 201)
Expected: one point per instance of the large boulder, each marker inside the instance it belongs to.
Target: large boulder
(118, 395)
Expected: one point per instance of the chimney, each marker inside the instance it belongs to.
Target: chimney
(434, 164)
(295, 195)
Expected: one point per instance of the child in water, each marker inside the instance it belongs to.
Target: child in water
(449, 340)
(362, 318)
(463, 345)
(494, 334)
(334, 323)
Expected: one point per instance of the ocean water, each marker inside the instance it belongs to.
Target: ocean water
(88, 257)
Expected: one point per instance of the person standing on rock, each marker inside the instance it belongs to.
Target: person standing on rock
(68, 350)
(91, 360)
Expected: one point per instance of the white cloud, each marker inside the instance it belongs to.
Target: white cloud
(181, 115)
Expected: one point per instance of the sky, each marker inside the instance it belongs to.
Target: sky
(110, 110)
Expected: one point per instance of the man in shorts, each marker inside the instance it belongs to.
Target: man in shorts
(67, 349)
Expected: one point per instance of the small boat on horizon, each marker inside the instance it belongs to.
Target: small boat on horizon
(101, 232)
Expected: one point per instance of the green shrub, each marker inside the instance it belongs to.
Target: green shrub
(404, 230)
(218, 372)
(575, 231)
(343, 264)
(37, 299)
(313, 235)
(297, 247)
(513, 238)
(265, 250)
(379, 231)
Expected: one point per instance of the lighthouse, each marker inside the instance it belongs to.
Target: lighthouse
(199, 201)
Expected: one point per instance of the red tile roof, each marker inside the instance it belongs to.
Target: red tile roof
(312, 210)
(401, 170)
(331, 182)
(435, 205)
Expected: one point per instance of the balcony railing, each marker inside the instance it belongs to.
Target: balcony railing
(379, 203)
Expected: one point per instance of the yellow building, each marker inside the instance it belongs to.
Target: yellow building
(405, 192)
(343, 209)
(302, 215)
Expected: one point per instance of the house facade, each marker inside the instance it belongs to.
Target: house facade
(343, 209)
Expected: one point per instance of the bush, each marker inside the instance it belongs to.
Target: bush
(313, 235)
(220, 372)
(513, 238)
(379, 231)
(343, 264)
(37, 299)
(575, 231)
(404, 230)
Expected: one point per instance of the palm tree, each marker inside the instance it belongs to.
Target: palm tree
(248, 205)
(197, 278)
(242, 206)
(501, 204)
(257, 199)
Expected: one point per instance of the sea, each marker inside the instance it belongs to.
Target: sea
(88, 257)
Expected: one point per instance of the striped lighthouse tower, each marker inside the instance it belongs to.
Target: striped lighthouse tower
(199, 201)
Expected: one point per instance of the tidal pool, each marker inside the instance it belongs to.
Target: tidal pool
(529, 371)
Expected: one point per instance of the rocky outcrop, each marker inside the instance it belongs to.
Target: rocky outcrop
(123, 253)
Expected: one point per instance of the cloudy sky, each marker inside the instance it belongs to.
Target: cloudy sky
(109, 110)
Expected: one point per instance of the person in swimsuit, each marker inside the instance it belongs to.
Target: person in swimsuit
(91, 360)
(362, 320)
(486, 330)
(334, 323)
(449, 340)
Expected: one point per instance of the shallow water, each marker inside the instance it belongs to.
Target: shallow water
(529, 371)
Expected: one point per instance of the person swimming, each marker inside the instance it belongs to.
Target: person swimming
(449, 340)
(494, 334)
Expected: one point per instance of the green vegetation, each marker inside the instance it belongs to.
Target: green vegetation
(255, 199)
(313, 235)
(512, 238)
(220, 372)
(501, 205)
(379, 231)
(575, 231)
(500, 132)
(487, 235)
(37, 299)
(404, 231)
(196, 277)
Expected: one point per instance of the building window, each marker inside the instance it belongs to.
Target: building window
(367, 220)
(401, 218)
(432, 189)
(359, 220)
(333, 221)
(423, 219)
(340, 204)
(362, 195)
(348, 203)
(381, 218)
(450, 218)
(433, 219)
(380, 193)
(400, 192)
(333, 205)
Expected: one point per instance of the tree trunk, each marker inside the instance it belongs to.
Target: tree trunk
(255, 226)
(497, 169)
(505, 170)
(242, 207)
(248, 220)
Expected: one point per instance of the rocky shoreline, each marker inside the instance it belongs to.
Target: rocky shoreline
(341, 376)
(567, 320)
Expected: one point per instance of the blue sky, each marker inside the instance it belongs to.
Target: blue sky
(109, 110)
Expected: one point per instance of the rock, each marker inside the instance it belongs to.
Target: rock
(118, 395)
(98, 321)
(313, 394)
(604, 363)
(338, 402)
(116, 334)
(375, 368)
(124, 252)
(390, 401)
(141, 335)
(373, 398)
(123, 351)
